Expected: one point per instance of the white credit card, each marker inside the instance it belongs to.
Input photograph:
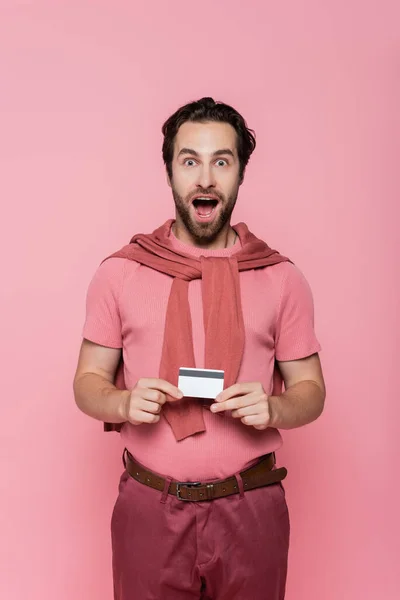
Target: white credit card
(200, 383)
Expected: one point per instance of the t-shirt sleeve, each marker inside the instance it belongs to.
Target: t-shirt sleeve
(103, 322)
(295, 336)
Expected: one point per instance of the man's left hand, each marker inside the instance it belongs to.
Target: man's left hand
(248, 402)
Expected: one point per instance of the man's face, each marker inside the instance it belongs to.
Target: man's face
(205, 177)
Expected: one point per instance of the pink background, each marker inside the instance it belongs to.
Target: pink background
(84, 89)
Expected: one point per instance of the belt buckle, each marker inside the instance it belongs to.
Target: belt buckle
(187, 484)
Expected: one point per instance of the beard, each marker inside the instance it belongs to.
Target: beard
(205, 232)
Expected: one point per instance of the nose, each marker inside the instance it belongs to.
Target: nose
(206, 177)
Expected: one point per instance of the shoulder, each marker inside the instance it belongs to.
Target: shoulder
(116, 266)
(295, 290)
(288, 281)
(111, 273)
(292, 275)
(285, 274)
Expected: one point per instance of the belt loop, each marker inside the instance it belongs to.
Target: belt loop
(240, 485)
(164, 495)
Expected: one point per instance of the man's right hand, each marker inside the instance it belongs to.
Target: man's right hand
(143, 404)
(97, 396)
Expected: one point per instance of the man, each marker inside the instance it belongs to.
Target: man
(201, 511)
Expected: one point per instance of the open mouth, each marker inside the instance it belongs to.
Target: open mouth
(205, 206)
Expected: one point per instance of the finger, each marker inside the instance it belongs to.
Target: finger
(257, 421)
(152, 395)
(161, 385)
(253, 409)
(148, 406)
(237, 389)
(140, 416)
(234, 403)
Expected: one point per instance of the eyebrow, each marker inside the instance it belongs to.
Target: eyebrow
(222, 152)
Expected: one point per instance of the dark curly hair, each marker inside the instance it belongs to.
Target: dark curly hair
(202, 111)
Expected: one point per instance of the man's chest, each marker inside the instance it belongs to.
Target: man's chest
(143, 306)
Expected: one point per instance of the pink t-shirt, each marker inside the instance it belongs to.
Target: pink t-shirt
(126, 308)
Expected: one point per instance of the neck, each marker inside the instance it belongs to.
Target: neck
(225, 238)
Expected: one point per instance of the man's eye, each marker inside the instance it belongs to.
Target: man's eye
(189, 162)
(221, 161)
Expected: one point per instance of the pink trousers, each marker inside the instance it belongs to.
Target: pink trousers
(232, 548)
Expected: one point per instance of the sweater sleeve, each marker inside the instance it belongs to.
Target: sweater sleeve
(103, 321)
(295, 337)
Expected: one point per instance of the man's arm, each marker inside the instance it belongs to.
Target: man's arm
(301, 403)
(95, 393)
(97, 396)
(304, 396)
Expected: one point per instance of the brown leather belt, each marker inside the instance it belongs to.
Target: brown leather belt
(259, 475)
